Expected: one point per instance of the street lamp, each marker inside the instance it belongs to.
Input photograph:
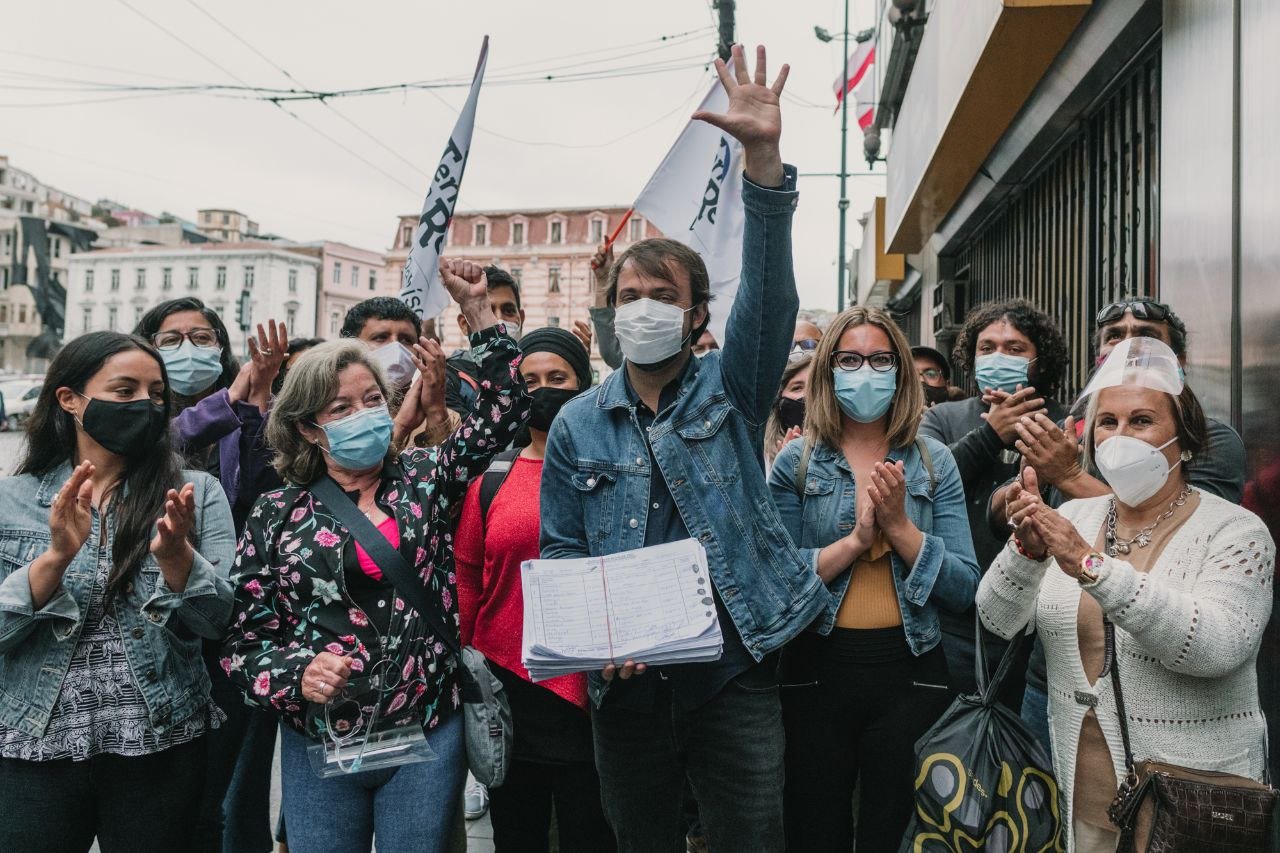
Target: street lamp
(825, 36)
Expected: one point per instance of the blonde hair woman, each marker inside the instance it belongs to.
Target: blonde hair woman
(786, 418)
(881, 513)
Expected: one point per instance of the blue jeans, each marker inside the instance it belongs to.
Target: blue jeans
(730, 749)
(1035, 713)
(408, 808)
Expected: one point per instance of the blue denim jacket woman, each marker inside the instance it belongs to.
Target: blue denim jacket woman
(881, 514)
(113, 565)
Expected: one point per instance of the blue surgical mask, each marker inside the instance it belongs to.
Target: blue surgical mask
(192, 369)
(359, 441)
(865, 394)
(1001, 371)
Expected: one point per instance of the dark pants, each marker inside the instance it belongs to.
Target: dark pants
(521, 809)
(729, 748)
(235, 810)
(131, 805)
(855, 724)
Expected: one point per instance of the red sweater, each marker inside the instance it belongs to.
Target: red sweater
(488, 555)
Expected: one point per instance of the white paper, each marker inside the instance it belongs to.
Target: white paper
(652, 605)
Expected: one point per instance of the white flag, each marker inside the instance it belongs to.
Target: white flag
(695, 197)
(422, 290)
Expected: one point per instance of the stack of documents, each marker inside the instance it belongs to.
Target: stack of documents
(651, 605)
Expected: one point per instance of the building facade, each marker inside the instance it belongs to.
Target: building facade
(348, 275)
(230, 226)
(1075, 152)
(548, 251)
(112, 288)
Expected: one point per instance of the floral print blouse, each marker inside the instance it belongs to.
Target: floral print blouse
(290, 571)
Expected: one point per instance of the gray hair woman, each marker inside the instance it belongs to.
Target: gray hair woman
(319, 634)
(1183, 576)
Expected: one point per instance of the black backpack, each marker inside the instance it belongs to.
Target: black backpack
(493, 478)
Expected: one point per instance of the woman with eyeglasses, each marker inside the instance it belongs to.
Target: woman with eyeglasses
(881, 513)
(320, 634)
(113, 565)
(219, 410)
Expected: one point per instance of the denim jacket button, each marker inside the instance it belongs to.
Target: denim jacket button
(137, 633)
(152, 675)
(591, 483)
(639, 460)
(706, 424)
(634, 523)
(155, 617)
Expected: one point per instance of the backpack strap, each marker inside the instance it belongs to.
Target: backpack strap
(802, 468)
(493, 478)
(927, 458)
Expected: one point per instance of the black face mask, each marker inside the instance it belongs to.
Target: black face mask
(126, 429)
(934, 394)
(547, 403)
(790, 412)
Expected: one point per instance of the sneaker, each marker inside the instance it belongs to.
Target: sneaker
(475, 800)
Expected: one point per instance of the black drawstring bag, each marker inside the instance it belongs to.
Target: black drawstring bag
(982, 780)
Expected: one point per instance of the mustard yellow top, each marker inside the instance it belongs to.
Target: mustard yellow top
(871, 600)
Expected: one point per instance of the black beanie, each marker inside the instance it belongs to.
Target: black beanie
(563, 343)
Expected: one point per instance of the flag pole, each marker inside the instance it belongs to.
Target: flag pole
(614, 236)
(841, 270)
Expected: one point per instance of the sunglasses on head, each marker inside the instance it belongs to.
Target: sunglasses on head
(1143, 309)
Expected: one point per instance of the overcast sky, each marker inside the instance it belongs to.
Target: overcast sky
(570, 143)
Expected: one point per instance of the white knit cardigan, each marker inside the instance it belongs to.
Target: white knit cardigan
(1187, 637)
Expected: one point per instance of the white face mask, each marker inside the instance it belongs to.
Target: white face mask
(513, 329)
(396, 363)
(1134, 469)
(649, 331)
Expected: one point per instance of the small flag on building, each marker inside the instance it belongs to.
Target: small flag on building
(859, 80)
(421, 289)
(695, 197)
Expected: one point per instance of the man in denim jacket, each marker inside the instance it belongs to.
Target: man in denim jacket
(660, 455)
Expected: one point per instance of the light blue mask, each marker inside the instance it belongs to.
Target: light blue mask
(865, 394)
(360, 441)
(192, 369)
(1001, 371)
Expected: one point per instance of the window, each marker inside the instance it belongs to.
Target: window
(140, 279)
(335, 318)
(4, 313)
(57, 247)
(355, 277)
(115, 280)
(22, 313)
(557, 232)
(4, 277)
(220, 279)
(635, 229)
(293, 285)
(406, 234)
(290, 318)
(373, 280)
(138, 311)
(225, 219)
(8, 242)
(515, 274)
(337, 272)
(553, 279)
(554, 322)
(597, 232)
(482, 234)
(193, 278)
(517, 233)
(166, 278)
(248, 278)
(88, 318)
(88, 281)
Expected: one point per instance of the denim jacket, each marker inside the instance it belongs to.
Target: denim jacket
(161, 629)
(595, 481)
(945, 572)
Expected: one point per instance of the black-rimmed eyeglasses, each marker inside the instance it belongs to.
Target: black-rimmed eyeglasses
(881, 362)
(206, 338)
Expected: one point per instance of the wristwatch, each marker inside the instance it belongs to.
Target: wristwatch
(1089, 565)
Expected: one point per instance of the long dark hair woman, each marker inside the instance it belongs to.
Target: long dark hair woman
(113, 565)
(219, 418)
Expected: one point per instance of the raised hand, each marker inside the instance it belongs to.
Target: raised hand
(865, 527)
(170, 544)
(754, 116)
(1053, 452)
(1007, 408)
(582, 331)
(792, 433)
(888, 491)
(469, 287)
(71, 515)
(428, 356)
(266, 354)
(1021, 505)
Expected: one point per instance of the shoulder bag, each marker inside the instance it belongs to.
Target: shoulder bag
(486, 712)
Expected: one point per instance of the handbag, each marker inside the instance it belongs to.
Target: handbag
(486, 713)
(1166, 808)
(982, 779)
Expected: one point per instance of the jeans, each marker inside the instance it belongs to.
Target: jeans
(137, 804)
(235, 811)
(730, 749)
(1035, 713)
(407, 808)
(521, 809)
(856, 724)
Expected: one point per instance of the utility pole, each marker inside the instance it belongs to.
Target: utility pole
(843, 271)
(726, 8)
